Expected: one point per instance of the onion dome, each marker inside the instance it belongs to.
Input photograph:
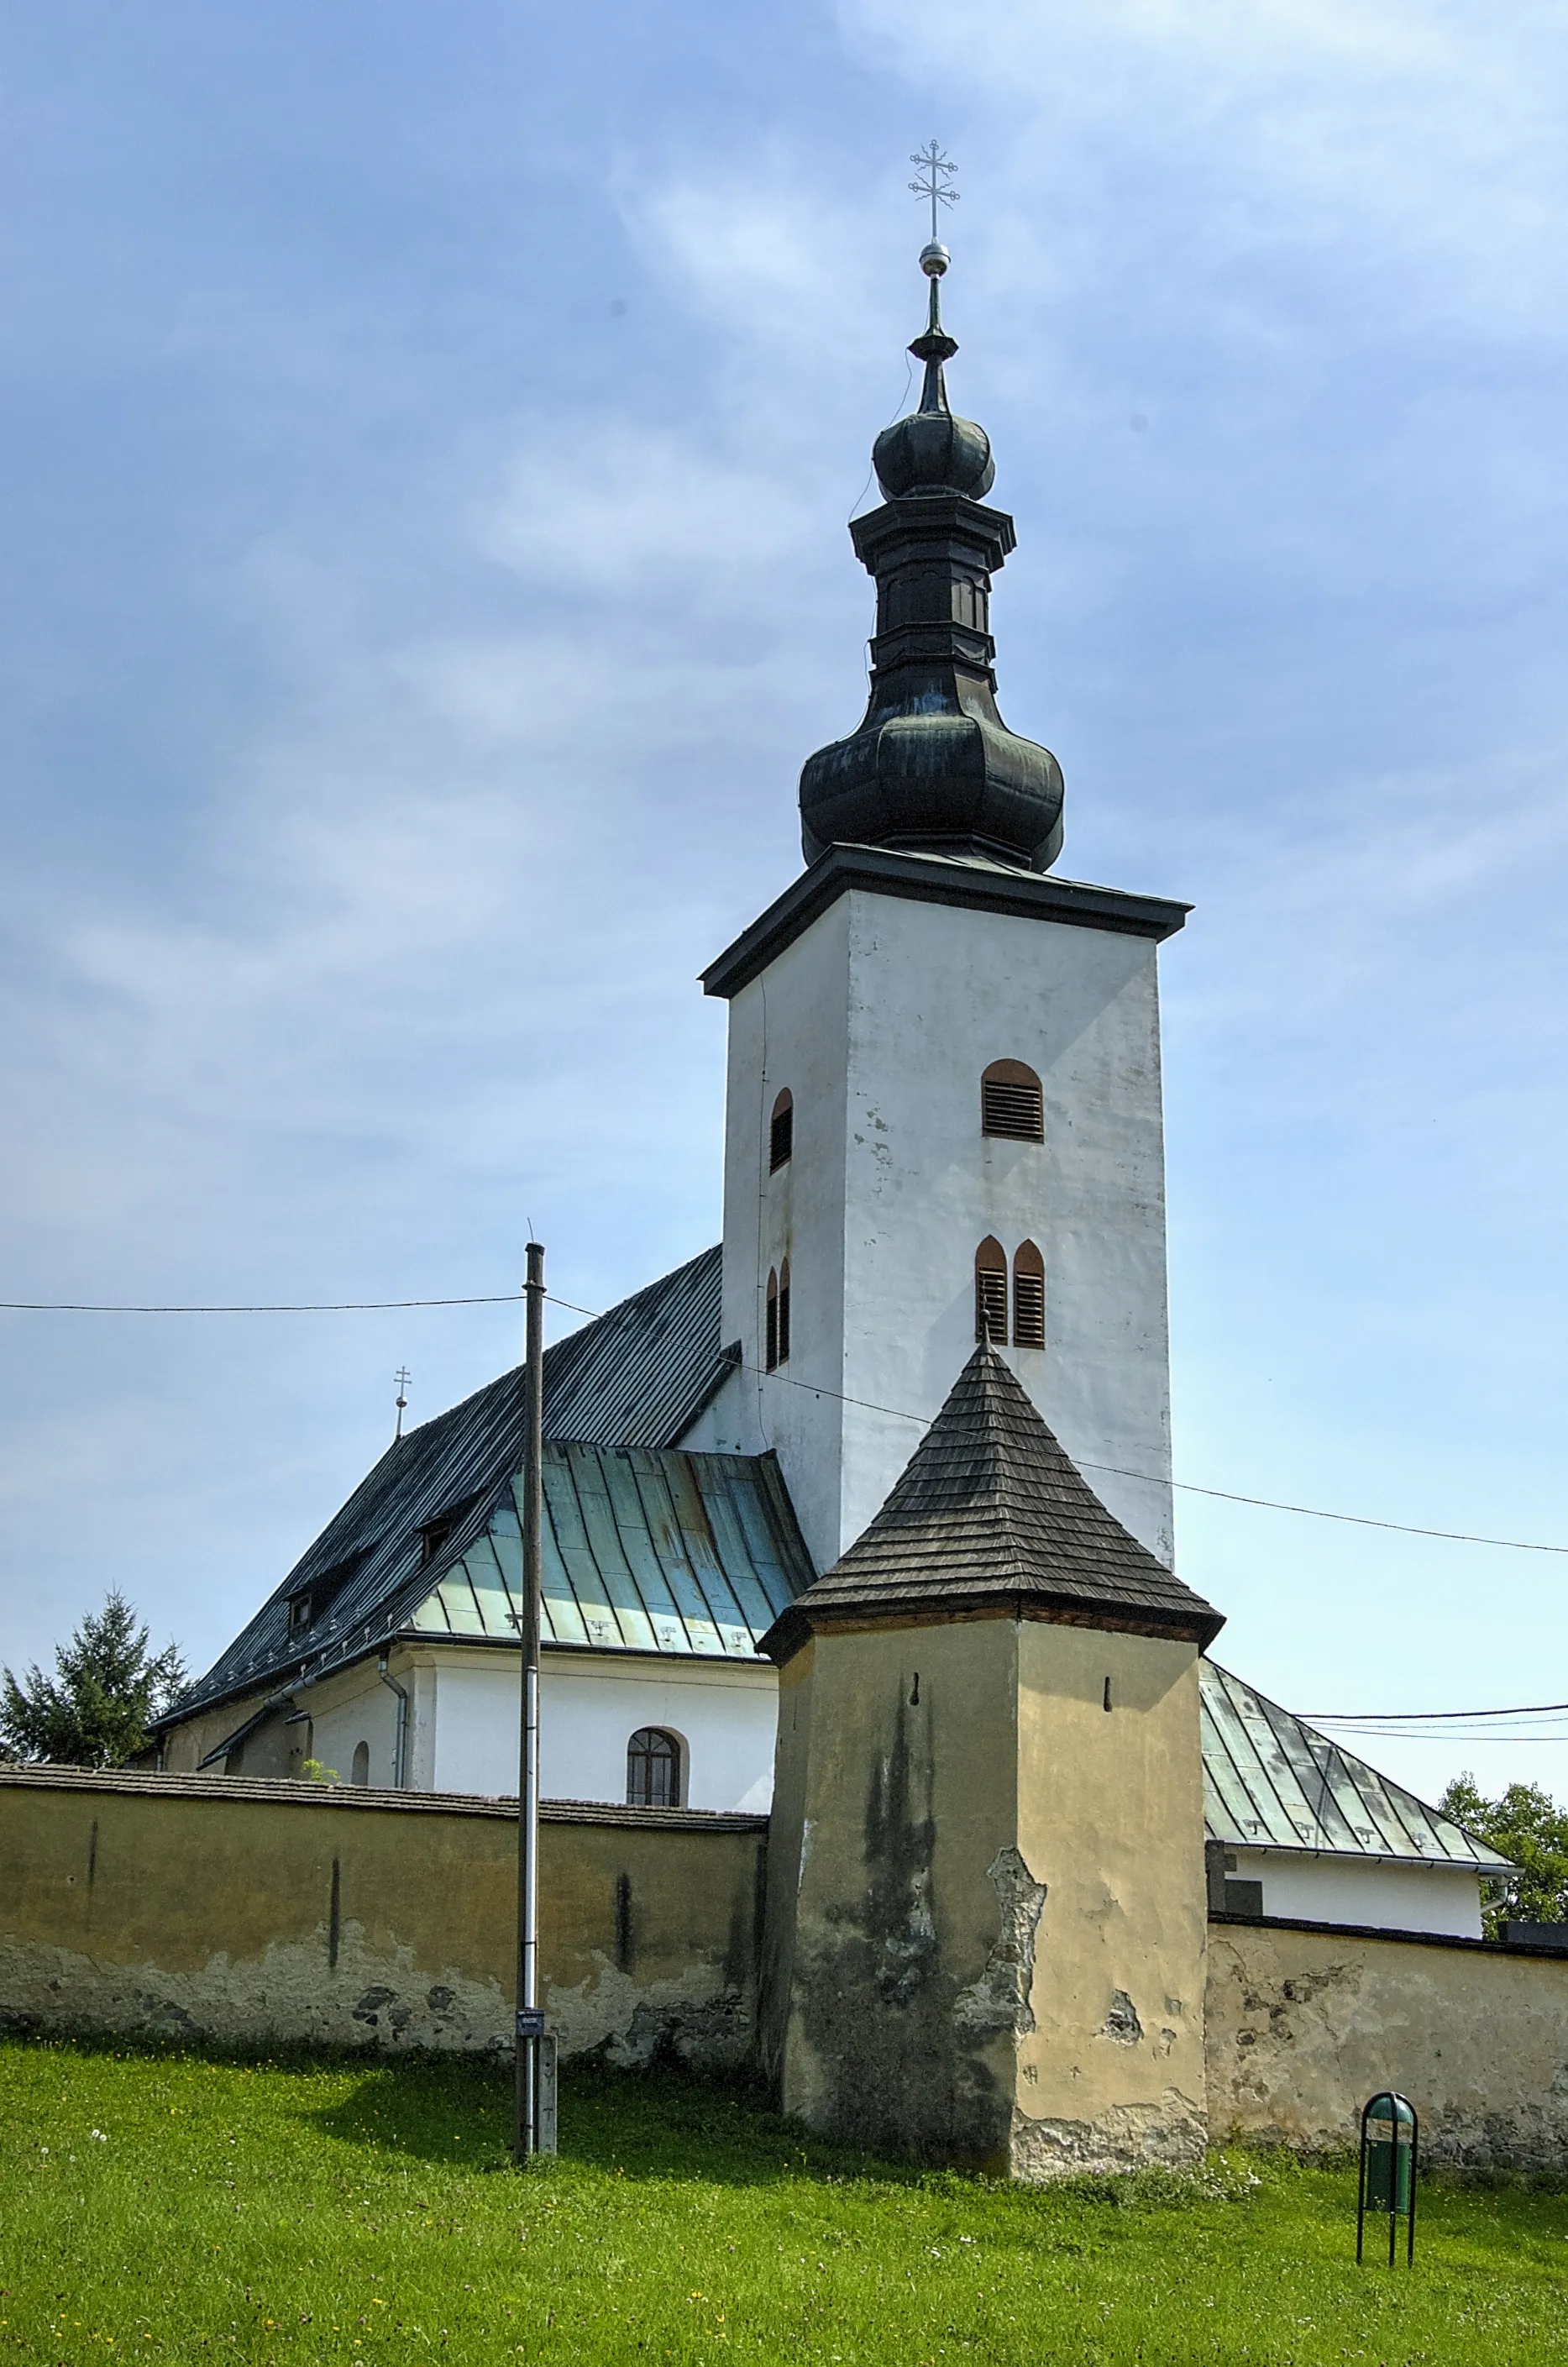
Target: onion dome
(932, 452)
(932, 766)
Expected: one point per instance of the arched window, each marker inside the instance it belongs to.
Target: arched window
(653, 1769)
(777, 1335)
(991, 1292)
(1011, 1103)
(1028, 1296)
(781, 1133)
(359, 1771)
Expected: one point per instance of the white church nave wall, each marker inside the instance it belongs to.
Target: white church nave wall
(723, 1714)
(1323, 1887)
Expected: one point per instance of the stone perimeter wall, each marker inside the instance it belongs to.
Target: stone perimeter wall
(1304, 2023)
(284, 1912)
(278, 1912)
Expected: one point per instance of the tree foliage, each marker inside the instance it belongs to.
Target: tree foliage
(1527, 1825)
(94, 1710)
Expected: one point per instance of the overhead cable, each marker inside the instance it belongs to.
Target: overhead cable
(897, 1413)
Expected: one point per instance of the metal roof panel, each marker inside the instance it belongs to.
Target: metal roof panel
(1270, 1781)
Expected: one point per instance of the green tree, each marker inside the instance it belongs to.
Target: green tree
(94, 1710)
(1527, 1825)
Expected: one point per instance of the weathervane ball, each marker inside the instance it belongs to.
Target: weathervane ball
(934, 259)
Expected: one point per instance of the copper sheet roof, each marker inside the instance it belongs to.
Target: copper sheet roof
(1272, 1782)
(647, 1549)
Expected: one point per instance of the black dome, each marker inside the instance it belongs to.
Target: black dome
(932, 766)
(933, 452)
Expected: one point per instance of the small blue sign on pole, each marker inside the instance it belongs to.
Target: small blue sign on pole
(1390, 2135)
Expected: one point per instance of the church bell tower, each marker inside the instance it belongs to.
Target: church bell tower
(943, 1105)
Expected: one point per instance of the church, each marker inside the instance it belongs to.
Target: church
(897, 1449)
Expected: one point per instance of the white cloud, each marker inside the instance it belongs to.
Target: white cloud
(1408, 134)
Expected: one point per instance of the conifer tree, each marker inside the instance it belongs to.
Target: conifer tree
(94, 1710)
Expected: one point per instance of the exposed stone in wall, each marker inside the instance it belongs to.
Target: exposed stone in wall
(1170, 2135)
(290, 1997)
(286, 1996)
(999, 2001)
(1303, 2026)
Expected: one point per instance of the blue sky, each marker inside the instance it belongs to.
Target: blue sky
(428, 439)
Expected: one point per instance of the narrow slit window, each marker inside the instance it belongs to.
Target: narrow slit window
(781, 1133)
(771, 1340)
(1011, 1103)
(653, 1769)
(991, 1292)
(1028, 1297)
(784, 1313)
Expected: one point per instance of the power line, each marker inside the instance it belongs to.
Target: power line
(294, 1307)
(1188, 1487)
(897, 1413)
(1422, 1717)
(1355, 1520)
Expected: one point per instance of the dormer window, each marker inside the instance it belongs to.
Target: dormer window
(316, 1595)
(781, 1133)
(1011, 1103)
(435, 1535)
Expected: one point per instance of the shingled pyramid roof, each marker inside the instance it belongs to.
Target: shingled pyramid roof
(992, 1516)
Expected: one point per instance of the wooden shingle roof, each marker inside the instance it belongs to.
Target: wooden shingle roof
(992, 1516)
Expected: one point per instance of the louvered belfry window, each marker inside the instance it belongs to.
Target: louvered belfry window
(1028, 1297)
(653, 1769)
(776, 1336)
(1011, 1104)
(781, 1133)
(991, 1292)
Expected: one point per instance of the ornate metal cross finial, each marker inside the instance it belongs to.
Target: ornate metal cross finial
(403, 1377)
(935, 172)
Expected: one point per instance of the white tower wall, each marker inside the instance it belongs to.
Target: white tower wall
(879, 1017)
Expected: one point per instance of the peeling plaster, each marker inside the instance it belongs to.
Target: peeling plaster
(1121, 2023)
(1171, 2134)
(371, 1999)
(999, 2001)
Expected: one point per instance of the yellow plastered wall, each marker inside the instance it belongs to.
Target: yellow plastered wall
(211, 1908)
(1303, 2026)
(895, 1792)
(1110, 1819)
(986, 1916)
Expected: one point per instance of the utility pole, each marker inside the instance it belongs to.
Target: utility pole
(533, 2116)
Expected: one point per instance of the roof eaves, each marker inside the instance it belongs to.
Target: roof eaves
(937, 879)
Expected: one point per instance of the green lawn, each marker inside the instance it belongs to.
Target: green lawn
(178, 2208)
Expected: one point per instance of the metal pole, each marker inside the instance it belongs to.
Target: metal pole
(530, 2017)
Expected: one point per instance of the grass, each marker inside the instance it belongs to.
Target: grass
(358, 2213)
